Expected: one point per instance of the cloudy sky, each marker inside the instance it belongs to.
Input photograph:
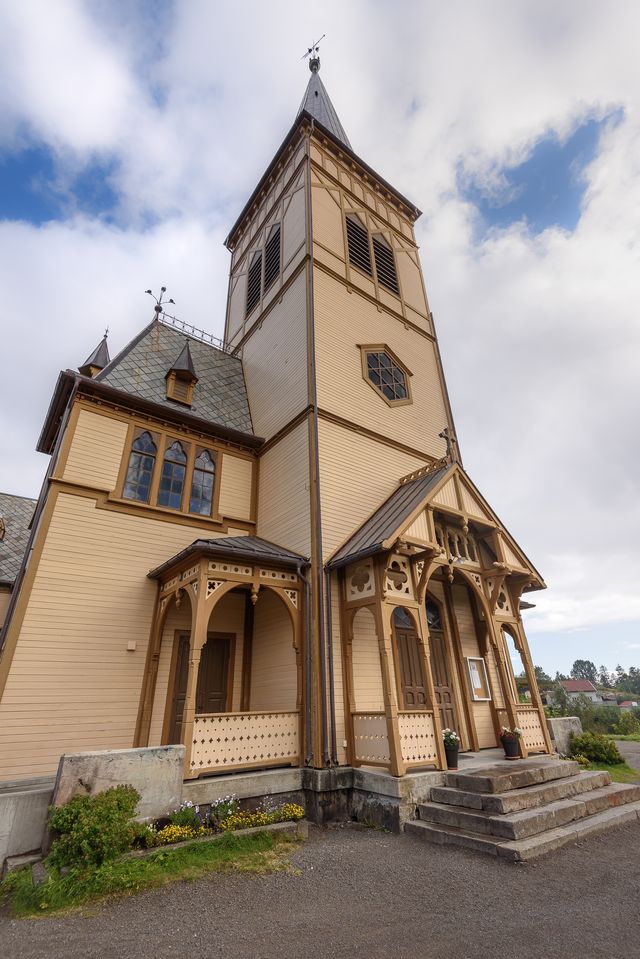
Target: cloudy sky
(131, 134)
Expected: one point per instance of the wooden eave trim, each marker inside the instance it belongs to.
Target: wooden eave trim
(199, 550)
(61, 393)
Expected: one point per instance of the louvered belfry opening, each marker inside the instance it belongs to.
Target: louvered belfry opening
(272, 256)
(254, 282)
(358, 240)
(385, 264)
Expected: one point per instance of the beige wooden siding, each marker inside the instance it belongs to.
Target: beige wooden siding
(275, 362)
(419, 529)
(357, 473)
(367, 673)
(273, 660)
(345, 320)
(235, 487)
(410, 276)
(446, 496)
(96, 450)
(73, 684)
(511, 556)
(481, 711)
(472, 504)
(283, 498)
(4, 605)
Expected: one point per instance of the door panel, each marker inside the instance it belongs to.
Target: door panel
(179, 690)
(211, 691)
(441, 680)
(412, 684)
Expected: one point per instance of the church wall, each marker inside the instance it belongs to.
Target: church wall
(236, 487)
(357, 473)
(338, 673)
(367, 672)
(273, 659)
(283, 492)
(481, 710)
(350, 320)
(5, 597)
(73, 685)
(96, 450)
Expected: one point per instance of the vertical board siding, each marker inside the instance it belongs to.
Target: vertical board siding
(419, 529)
(73, 685)
(357, 474)
(472, 505)
(367, 673)
(343, 322)
(235, 487)
(273, 659)
(4, 605)
(275, 362)
(283, 499)
(481, 711)
(447, 496)
(96, 450)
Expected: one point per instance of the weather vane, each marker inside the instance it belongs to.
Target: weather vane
(159, 308)
(313, 50)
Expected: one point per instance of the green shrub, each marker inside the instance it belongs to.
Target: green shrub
(186, 815)
(596, 748)
(90, 830)
(627, 725)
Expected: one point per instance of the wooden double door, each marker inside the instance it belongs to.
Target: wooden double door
(213, 690)
(411, 679)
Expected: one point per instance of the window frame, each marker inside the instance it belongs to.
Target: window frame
(134, 435)
(186, 449)
(215, 495)
(366, 348)
(362, 220)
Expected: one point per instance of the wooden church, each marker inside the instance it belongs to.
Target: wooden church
(268, 549)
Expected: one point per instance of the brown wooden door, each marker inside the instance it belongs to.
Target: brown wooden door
(179, 689)
(411, 676)
(443, 692)
(211, 691)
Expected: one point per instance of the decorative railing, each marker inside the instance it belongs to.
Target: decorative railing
(370, 740)
(231, 741)
(417, 738)
(531, 725)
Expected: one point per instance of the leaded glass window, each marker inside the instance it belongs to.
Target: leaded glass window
(201, 499)
(433, 615)
(137, 484)
(172, 478)
(385, 374)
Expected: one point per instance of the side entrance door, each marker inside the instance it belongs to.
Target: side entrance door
(213, 680)
(411, 677)
(443, 691)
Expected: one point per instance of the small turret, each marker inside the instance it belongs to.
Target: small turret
(181, 378)
(98, 359)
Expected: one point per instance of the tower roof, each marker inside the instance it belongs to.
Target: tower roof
(317, 103)
(184, 363)
(98, 359)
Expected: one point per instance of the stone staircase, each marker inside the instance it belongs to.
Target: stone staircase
(523, 810)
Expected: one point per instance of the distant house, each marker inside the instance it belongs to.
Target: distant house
(581, 687)
(628, 705)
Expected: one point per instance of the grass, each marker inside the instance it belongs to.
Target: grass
(259, 853)
(620, 772)
(632, 738)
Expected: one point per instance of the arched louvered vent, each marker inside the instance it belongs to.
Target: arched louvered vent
(254, 281)
(358, 241)
(272, 256)
(385, 264)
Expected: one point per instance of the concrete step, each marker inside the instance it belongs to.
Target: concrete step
(522, 850)
(517, 799)
(503, 778)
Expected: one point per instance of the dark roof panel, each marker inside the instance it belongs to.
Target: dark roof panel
(184, 363)
(386, 520)
(220, 395)
(317, 103)
(100, 356)
(252, 548)
(16, 513)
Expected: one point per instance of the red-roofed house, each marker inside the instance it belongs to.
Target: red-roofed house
(628, 704)
(581, 687)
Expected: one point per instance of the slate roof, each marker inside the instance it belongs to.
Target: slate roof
(578, 686)
(220, 396)
(100, 356)
(16, 511)
(252, 548)
(386, 520)
(317, 102)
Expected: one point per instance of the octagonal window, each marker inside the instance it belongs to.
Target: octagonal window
(386, 374)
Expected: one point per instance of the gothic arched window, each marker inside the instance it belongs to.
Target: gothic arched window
(137, 484)
(172, 478)
(204, 471)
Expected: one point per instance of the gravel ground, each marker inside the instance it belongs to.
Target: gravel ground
(371, 894)
(630, 752)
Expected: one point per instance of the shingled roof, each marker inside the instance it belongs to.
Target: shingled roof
(220, 395)
(385, 521)
(16, 513)
(252, 548)
(317, 103)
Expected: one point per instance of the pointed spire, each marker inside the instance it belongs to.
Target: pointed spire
(317, 102)
(182, 377)
(98, 359)
(184, 363)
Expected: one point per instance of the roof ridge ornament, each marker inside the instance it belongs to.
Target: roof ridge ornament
(313, 54)
(452, 445)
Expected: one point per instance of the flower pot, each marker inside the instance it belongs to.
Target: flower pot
(451, 752)
(511, 748)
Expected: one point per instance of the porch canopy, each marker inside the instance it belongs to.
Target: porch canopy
(228, 620)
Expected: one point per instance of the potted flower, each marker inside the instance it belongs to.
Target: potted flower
(510, 739)
(451, 747)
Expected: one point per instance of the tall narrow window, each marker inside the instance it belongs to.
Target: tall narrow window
(358, 242)
(172, 478)
(254, 281)
(140, 469)
(201, 499)
(272, 256)
(385, 264)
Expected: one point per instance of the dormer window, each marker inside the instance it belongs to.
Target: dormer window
(386, 374)
(358, 243)
(181, 378)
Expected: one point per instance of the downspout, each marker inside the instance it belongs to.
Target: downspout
(332, 689)
(314, 407)
(36, 517)
(307, 664)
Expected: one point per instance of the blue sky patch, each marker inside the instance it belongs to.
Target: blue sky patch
(32, 190)
(545, 190)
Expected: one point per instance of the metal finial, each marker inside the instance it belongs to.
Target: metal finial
(313, 54)
(106, 333)
(159, 308)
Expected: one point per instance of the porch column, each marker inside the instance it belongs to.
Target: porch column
(428, 678)
(147, 694)
(383, 630)
(527, 662)
(199, 623)
(509, 704)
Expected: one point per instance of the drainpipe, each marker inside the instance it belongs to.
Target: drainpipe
(332, 690)
(307, 664)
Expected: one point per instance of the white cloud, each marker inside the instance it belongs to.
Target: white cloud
(539, 334)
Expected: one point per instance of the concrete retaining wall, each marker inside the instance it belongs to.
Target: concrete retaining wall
(561, 729)
(23, 817)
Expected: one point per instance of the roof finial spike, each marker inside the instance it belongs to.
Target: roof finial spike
(452, 444)
(313, 54)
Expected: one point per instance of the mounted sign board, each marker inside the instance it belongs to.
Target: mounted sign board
(478, 679)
